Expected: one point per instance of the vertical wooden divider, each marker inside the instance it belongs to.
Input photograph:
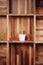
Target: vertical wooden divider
(1, 27)
(34, 53)
(34, 28)
(8, 56)
(34, 37)
(7, 40)
(7, 27)
(12, 29)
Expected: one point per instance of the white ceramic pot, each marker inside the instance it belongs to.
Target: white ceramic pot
(22, 37)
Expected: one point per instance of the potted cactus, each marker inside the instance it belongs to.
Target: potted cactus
(22, 35)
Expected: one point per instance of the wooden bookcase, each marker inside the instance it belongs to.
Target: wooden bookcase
(16, 15)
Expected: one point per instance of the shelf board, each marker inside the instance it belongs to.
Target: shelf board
(21, 41)
(25, 14)
(3, 7)
(39, 62)
(39, 42)
(3, 41)
(39, 14)
(3, 0)
(2, 56)
(39, 28)
(3, 15)
(40, 53)
(21, 14)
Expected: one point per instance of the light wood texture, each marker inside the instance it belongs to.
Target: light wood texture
(39, 54)
(34, 28)
(12, 54)
(8, 56)
(3, 28)
(17, 15)
(21, 54)
(39, 28)
(8, 28)
(3, 7)
(25, 6)
(30, 55)
(22, 6)
(3, 53)
(18, 60)
(18, 6)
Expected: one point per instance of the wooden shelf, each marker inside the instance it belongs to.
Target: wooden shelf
(21, 14)
(3, 41)
(38, 62)
(3, 6)
(40, 54)
(39, 42)
(18, 25)
(39, 27)
(21, 42)
(39, 14)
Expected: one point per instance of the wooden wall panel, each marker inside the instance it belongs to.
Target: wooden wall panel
(3, 28)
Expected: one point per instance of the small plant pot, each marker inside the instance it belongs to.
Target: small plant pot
(22, 37)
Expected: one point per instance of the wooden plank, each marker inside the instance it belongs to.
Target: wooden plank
(8, 9)
(7, 60)
(12, 54)
(29, 26)
(18, 26)
(18, 60)
(34, 54)
(34, 28)
(25, 6)
(29, 6)
(18, 6)
(8, 37)
(21, 57)
(30, 55)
